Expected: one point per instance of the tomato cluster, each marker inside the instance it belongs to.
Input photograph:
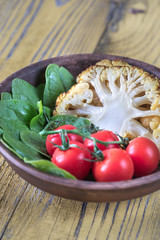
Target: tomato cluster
(140, 158)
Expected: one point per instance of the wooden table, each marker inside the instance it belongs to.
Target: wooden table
(33, 30)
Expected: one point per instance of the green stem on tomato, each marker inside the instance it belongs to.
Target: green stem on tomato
(64, 139)
(122, 141)
(98, 154)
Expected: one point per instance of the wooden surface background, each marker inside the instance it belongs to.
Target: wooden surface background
(33, 30)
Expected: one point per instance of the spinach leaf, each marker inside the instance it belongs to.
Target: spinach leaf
(47, 113)
(7, 113)
(59, 120)
(20, 149)
(40, 90)
(35, 141)
(55, 66)
(23, 110)
(6, 96)
(85, 126)
(24, 91)
(38, 122)
(12, 126)
(81, 123)
(66, 78)
(1, 132)
(53, 87)
(49, 167)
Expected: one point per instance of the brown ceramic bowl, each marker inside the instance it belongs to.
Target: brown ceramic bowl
(81, 190)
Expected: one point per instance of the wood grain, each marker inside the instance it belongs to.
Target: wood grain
(34, 30)
(63, 30)
(133, 34)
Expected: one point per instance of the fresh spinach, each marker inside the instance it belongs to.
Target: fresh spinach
(13, 126)
(6, 96)
(35, 141)
(81, 123)
(7, 113)
(66, 78)
(53, 87)
(40, 90)
(21, 149)
(47, 113)
(38, 122)
(48, 167)
(23, 90)
(1, 132)
(26, 111)
(58, 80)
(22, 109)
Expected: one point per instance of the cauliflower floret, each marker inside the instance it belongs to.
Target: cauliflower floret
(116, 96)
(78, 95)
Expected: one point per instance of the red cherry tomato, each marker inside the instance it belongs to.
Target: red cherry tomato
(73, 160)
(145, 156)
(56, 139)
(103, 135)
(116, 166)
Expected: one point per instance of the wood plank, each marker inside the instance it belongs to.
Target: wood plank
(133, 31)
(12, 188)
(64, 30)
(58, 218)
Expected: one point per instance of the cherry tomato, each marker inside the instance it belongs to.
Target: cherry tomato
(145, 156)
(116, 166)
(103, 135)
(56, 139)
(73, 160)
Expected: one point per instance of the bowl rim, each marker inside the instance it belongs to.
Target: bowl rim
(71, 183)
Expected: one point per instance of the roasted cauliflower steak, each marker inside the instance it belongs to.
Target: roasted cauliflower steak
(116, 96)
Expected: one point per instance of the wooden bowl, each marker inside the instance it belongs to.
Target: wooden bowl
(81, 190)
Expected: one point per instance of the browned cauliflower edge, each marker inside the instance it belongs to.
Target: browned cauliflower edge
(116, 96)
